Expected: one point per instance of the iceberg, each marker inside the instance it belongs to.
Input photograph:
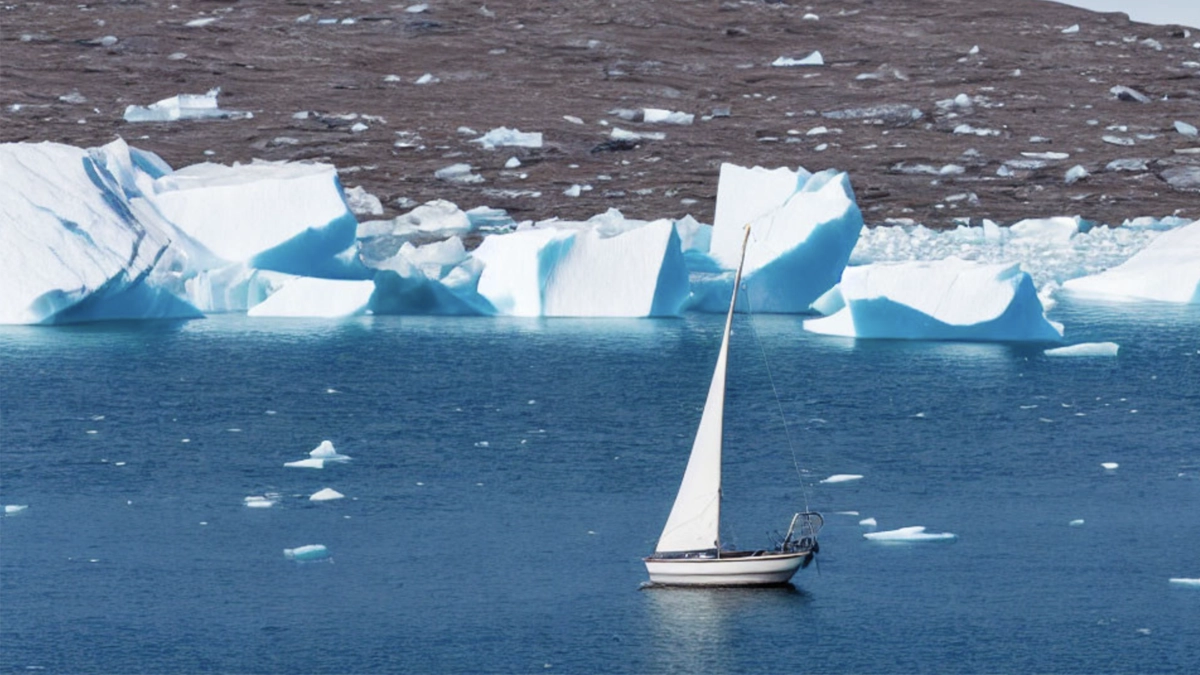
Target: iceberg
(803, 229)
(81, 240)
(1183, 581)
(261, 501)
(509, 138)
(310, 463)
(842, 478)
(183, 107)
(606, 268)
(1085, 349)
(1166, 270)
(233, 288)
(14, 509)
(813, 59)
(325, 451)
(911, 534)
(309, 552)
(317, 298)
(949, 299)
(325, 495)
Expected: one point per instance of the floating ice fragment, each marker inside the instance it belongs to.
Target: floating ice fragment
(306, 553)
(658, 115)
(619, 134)
(1185, 129)
(810, 17)
(1127, 164)
(842, 478)
(1074, 28)
(1076, 523)
(914, 533)
(327, 452)
(1075, 174)
(512, 163)
(1182, 581)
(309, 463)
(1117, 140)
(199, 23)
(1123, 93)
(1165, 270)
(325, 495)
(1085, 349)
(261, 501)
(359, 127)
(427, 78)
(1110, 466)
(1046, 155)
(973, 50)
(458, 173)
(14, 509)
(967, 129)
(505, 137)
(362, 203)
(813, 59)
(868, 522)
(183, 107)
(417, 9)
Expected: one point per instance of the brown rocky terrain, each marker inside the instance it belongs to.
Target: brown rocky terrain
(68, 71)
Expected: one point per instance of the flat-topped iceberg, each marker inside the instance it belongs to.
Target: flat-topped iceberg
(80, 240)
(183, 107)
(1085, 349)
(913, 534)
(949, 299)
(1167, 270)
(803, 228)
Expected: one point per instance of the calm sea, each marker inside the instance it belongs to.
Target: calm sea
(507, 476)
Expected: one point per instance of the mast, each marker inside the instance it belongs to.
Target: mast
(695, 520)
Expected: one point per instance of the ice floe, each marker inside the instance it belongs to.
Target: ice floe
(1110, 466)
(306, 553)
(14, 509)
(183, 107)
(1085, 349)
(1167, 270)
(505, 137)
(913, 534)
(261, 501)
(813, 59)
(1185, 582)
(842, 478)
(325, 495)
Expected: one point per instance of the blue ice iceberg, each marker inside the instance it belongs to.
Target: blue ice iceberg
(948, 299)
(803, 228)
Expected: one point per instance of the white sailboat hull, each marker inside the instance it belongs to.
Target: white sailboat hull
(758, 570)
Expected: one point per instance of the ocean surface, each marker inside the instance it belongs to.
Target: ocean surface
(508, 475)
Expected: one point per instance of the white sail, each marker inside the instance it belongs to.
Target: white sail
(695, 520)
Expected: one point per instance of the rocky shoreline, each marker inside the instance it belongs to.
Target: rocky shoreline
(940, 111)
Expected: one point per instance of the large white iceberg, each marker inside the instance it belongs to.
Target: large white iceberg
(282, 216)
(949, 299)
(80, 240)
(803, 228)
(1167, 270)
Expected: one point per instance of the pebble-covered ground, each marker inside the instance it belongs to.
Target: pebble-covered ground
(940, 110)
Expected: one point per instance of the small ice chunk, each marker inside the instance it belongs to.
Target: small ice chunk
(14, 509)
(967, 129)
(915, 533)
(813, 59)
(261, 501)
(391, 78)
(326, 494)
(512, 163)
(359, 127)
(362, 203)
(1074, 28)
(1076, 523)
(810, 17)
(505, 137)
(183, 107)
(658, 115)
(973, 50)
(1085, 349)
(868, 522)
(1185, 129)
(458, 173)
(309, 463)
(1124, 93)
(574, 190)
(842, 478)
(1075, 174)
(427, 78)
(327, 452)
(1117, 140)
(308, 552)
(199, 23)
(1182, 581)
(1110, 466)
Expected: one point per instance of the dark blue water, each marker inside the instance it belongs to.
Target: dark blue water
(509, 474)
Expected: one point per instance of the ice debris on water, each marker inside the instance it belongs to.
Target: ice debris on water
(505, 137)
(661, 116)
(813, 59)
(1186, 129)
(1183, 581)
(1110, 466)
(325, 495)
(14, 509)
(1076, 523)
(1123, 93)
(265, 501)
(323, 453)
(363, 203)
(183, 107)
(842, 478)
(1085, 349)
(1074, 28)
(1075, 174)
(913, 534)
(458, 173)
(868, 522)
(306, 553)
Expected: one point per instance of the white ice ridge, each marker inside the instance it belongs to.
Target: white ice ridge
(803, 229)
(306, 553)
(81, 242)
(948, 299)
(842, 478)
(1167, 270)
(915, 533)
(1086, 349)
(182, 107)
(325, 495)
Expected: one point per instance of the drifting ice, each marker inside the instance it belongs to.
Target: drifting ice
(949, 299)
(183, 107)
(326, 494)
(1168, 270)
(841, 478)
(1182, 581)
(915, 533)
(813, 59)
(306, 553)
(14, 509)
(505, 137)
(1086, 349)
(326, 452)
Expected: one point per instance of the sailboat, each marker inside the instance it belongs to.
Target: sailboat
(689, 551)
